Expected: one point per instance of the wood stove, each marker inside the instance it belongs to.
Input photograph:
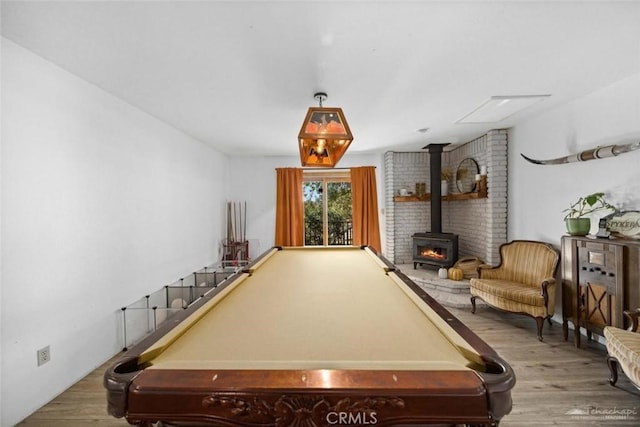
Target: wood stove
(435, 249)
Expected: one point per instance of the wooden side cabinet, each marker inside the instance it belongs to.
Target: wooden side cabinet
(600, 279)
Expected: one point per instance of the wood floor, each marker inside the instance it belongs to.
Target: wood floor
(557, 384)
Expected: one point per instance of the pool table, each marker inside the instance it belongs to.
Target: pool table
(309, 336)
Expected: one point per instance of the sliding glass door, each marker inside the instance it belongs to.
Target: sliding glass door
(327, 208)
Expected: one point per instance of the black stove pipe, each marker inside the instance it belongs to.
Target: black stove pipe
(435, 167)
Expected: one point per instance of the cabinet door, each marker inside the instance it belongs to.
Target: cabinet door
(599, 307)
(601, 278)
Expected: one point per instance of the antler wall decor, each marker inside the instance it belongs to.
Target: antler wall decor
(594, 153)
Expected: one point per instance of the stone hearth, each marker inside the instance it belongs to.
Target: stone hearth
(449, 293)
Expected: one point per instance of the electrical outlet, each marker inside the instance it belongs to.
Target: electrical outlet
(44, 355)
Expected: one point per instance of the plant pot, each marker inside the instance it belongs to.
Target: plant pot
(578, 226)
(444, 187)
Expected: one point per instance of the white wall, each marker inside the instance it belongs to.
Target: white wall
(538, 194)
(1, 298)
(101, 204)
(254, 179)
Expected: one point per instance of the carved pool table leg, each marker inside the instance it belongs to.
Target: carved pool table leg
(612, 362)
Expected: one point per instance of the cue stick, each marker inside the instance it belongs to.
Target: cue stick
(230, 224)
(233, 221)
(236, 224)
(244, 229)
(239, 221)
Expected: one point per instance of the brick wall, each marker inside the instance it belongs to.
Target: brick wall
(481, 224)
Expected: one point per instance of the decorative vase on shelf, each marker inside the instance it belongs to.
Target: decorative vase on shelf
(444, 187)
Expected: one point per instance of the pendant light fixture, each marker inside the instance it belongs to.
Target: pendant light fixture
(324, 136)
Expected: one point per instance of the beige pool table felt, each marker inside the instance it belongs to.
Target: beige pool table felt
(314, 308)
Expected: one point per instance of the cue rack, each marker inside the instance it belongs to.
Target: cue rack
(236, 246)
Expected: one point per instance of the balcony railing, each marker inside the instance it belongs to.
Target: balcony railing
(340, 233)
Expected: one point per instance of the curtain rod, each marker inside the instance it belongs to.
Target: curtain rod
(332, 169)
(326, 169)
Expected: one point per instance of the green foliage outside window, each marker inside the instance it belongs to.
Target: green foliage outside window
(338, 215)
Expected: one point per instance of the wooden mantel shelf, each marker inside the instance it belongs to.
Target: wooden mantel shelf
(455, 196)
(480, 193)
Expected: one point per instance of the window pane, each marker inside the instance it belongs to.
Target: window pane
(339, 213)
(312, 193)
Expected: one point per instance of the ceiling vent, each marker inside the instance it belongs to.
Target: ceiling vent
(498, 108)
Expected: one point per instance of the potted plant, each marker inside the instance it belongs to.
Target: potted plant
(576, 219)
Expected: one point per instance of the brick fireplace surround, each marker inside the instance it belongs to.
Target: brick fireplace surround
(481, 224)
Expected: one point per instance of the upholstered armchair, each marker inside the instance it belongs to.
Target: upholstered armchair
(623, 348)
(524, 281)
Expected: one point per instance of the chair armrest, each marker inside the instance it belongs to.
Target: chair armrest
(546, 282)
(486, 271)
(633, 316)
(544, 288)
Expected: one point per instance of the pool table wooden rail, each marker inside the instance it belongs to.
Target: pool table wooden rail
(279, 398)
(310, 397)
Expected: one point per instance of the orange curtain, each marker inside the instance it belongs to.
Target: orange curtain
(289, 207)
(364, 194)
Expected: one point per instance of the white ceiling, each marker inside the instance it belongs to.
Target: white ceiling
(240, 75)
